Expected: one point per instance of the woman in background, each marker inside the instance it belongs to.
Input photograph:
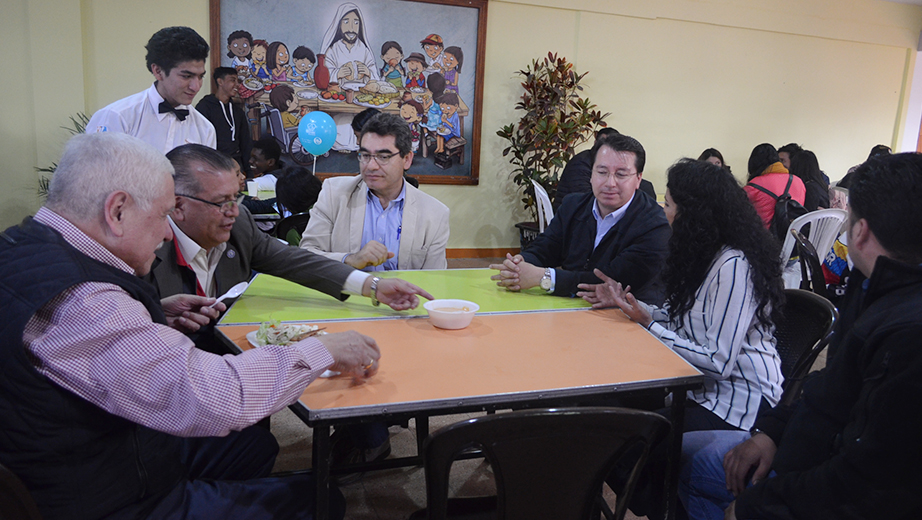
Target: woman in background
(714, 157)
(805, 166)
(766, 170)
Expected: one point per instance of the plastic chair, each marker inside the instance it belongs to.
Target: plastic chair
(15, 501)
(292, 227)
(547, 463)
(810, 268)
(825, 225)
(545, 210)
(802, 334)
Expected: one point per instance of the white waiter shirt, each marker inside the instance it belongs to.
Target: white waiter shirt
(139, 115)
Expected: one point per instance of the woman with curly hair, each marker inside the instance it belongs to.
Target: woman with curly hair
(723, 295)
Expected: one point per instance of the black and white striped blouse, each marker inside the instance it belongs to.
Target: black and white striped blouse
(723, 338)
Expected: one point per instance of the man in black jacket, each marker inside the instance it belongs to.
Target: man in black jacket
(850, 448)
(230, 123)
(616, 228)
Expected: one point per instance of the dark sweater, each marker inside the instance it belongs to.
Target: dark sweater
(850, 447)
(77, 460)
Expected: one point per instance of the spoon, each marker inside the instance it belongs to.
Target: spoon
(234, 292)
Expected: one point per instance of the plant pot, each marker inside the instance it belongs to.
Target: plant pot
(528, 231)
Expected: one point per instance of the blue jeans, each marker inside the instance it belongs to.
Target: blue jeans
(702, 481)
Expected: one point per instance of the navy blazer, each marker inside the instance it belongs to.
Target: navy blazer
(632, 252)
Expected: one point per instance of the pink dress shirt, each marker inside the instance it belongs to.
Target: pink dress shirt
(98, 342)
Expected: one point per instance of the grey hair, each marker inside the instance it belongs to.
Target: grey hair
(96, 165)
(184, 159)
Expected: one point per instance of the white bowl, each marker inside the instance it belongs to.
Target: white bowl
(451, 314)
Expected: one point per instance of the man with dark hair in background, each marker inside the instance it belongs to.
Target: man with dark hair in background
(230, 123)
(162, 115)
(578, 171)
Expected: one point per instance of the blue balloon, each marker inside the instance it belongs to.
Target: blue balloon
(317, 132)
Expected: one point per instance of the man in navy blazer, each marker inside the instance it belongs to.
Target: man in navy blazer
(617, 228)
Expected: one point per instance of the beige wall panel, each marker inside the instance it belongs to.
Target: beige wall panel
(682, 87)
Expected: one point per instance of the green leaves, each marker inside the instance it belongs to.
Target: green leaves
(556, 121)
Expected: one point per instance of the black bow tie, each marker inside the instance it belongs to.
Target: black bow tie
(181, 113)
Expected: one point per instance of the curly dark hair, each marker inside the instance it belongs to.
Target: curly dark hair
(713, 212)
(171, 46)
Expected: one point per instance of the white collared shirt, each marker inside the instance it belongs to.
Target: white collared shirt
(604, 224)
(202, 262)
(139, 115)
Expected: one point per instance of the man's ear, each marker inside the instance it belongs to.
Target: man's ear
(860, 235)
(157, 71)
(179, 209)
(407, 162)
(115, 209)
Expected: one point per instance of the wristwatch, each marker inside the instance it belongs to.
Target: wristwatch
(546, 279)
(374, 291)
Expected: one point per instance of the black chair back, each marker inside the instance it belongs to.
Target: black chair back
(296, 223)
(803, 333)
(810, 268)
(547, 463)
(15, 501)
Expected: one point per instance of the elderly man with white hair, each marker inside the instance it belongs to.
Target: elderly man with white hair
(99, 396)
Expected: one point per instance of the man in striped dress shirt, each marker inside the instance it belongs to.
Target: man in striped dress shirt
(99, 395)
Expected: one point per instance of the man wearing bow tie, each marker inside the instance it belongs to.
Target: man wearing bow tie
(163, 115)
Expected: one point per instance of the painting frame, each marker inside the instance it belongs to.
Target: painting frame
(427, 174)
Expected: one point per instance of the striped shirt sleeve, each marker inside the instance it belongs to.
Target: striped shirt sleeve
(716, 327)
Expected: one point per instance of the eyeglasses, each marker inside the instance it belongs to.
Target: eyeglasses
(224, 207)
(380, 158)
(620, 176)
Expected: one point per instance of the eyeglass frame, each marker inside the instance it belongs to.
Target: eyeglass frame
(221, 206)
(381, 161)
(619, 177)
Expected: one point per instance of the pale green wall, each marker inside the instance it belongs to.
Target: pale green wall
(680, 75)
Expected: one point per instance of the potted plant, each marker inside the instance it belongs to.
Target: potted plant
(557, 120)
(77, 126)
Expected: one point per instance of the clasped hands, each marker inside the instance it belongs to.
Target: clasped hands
(515, 274)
